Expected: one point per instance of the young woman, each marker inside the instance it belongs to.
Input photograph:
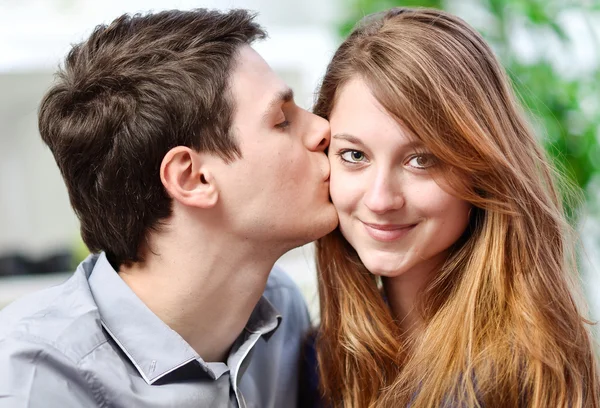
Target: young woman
(450, 280)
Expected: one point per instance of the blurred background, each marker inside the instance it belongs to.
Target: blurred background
(550, 48)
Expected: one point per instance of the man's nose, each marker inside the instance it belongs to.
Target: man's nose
(318, 135)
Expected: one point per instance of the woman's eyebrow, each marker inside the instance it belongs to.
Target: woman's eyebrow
(411, 144)
(349, 138)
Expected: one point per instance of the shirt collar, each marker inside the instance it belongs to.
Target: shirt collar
(265, 319)
(153, 347)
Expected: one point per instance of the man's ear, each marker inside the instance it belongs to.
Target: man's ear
(188, 178)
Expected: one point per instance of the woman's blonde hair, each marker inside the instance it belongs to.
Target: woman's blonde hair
(502, 327)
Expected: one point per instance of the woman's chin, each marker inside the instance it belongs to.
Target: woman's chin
(384, 267)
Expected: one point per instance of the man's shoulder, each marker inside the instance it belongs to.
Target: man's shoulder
(286, 297)
(282, 291)
(63, 317)
(43, 338)
(279, 279)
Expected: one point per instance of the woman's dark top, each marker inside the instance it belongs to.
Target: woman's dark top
(308, 390)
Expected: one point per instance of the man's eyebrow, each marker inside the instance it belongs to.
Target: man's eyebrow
(281, 97)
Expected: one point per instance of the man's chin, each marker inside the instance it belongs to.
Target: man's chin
(330, 222)
(323, 222)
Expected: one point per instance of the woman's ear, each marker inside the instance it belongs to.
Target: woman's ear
(188, 178)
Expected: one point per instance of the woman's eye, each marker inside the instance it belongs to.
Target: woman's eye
(352, 156)
(422, 161)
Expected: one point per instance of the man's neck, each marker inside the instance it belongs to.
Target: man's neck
(205, 292)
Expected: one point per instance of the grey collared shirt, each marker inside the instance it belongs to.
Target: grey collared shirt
(91, 342)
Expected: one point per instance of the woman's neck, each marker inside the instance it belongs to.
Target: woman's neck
(402, 293)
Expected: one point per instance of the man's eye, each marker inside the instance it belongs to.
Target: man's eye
(352, 156)
(422, 161)
(282, 125)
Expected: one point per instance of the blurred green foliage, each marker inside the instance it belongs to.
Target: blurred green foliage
(564, 109)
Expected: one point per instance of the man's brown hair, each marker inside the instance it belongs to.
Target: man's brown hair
(128, 94)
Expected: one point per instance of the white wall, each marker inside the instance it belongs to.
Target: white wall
(34, 208)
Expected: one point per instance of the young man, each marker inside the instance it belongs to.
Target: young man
(192, 171)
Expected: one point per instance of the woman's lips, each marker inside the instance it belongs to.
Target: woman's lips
(387, 232)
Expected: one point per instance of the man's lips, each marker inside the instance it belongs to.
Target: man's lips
(387, 232)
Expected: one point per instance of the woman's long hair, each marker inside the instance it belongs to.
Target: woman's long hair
(502, 324)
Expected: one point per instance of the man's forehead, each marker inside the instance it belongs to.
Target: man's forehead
(254, 81)
(251, 68)
(248, 59)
